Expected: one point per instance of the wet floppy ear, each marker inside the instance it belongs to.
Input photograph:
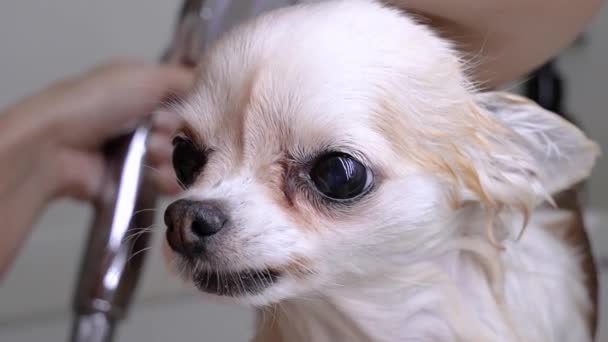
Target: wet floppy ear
(515, 154)
(538, 149)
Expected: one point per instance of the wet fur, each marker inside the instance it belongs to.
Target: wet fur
(433, 252)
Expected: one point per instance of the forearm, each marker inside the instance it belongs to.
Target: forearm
(24, 182)
(51, 143)
(18, 213)
(506, 39)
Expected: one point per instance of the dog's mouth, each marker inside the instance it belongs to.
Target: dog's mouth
(235, 284)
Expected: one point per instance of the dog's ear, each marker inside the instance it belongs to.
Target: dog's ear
(534, 151)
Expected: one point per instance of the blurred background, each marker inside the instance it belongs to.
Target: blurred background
(42, 41)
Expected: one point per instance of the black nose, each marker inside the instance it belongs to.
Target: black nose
(190, 222)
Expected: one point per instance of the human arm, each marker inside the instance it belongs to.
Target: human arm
(504, 40)
(51, 142)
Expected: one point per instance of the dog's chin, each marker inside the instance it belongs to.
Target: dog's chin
(257, 287)
(239, 284)
(247, 286)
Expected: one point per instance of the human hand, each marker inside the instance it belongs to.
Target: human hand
(51, 143)
(71, 120)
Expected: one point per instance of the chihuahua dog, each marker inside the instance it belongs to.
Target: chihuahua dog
(344, 176)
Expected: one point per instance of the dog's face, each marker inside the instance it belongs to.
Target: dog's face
(326, 145)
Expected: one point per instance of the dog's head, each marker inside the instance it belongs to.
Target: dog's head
(327, 143)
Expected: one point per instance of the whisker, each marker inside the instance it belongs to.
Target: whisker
(145, 210)
(135, 233)
(219, 281)
(275, 315)
(138, 252)
(209, 274)
(151, 168)
(242, 284)
(259, 279)
(233, 280)
(515, 85)
(133, 237)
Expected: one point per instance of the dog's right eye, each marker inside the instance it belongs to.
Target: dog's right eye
(340, 176)
(188, 160)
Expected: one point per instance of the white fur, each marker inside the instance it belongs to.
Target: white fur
(403, 264)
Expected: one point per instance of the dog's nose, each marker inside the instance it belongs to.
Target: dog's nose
(190, 223)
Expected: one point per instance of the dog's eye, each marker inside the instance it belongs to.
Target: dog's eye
(188, 160)
(340, 176)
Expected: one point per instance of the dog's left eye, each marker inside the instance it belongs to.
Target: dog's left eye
(340, 176)
(188, 160)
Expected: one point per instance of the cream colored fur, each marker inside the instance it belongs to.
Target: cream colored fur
(431, 254)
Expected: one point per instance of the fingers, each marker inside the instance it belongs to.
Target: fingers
(160, 166)
(160, 147)
(160, 150)
(166, 122)
(80, 174)
(163, 176)
(74, 118)
(112, 99)
(177, 79)
(159, 80)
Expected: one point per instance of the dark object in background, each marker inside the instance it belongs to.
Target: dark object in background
(546, 87)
